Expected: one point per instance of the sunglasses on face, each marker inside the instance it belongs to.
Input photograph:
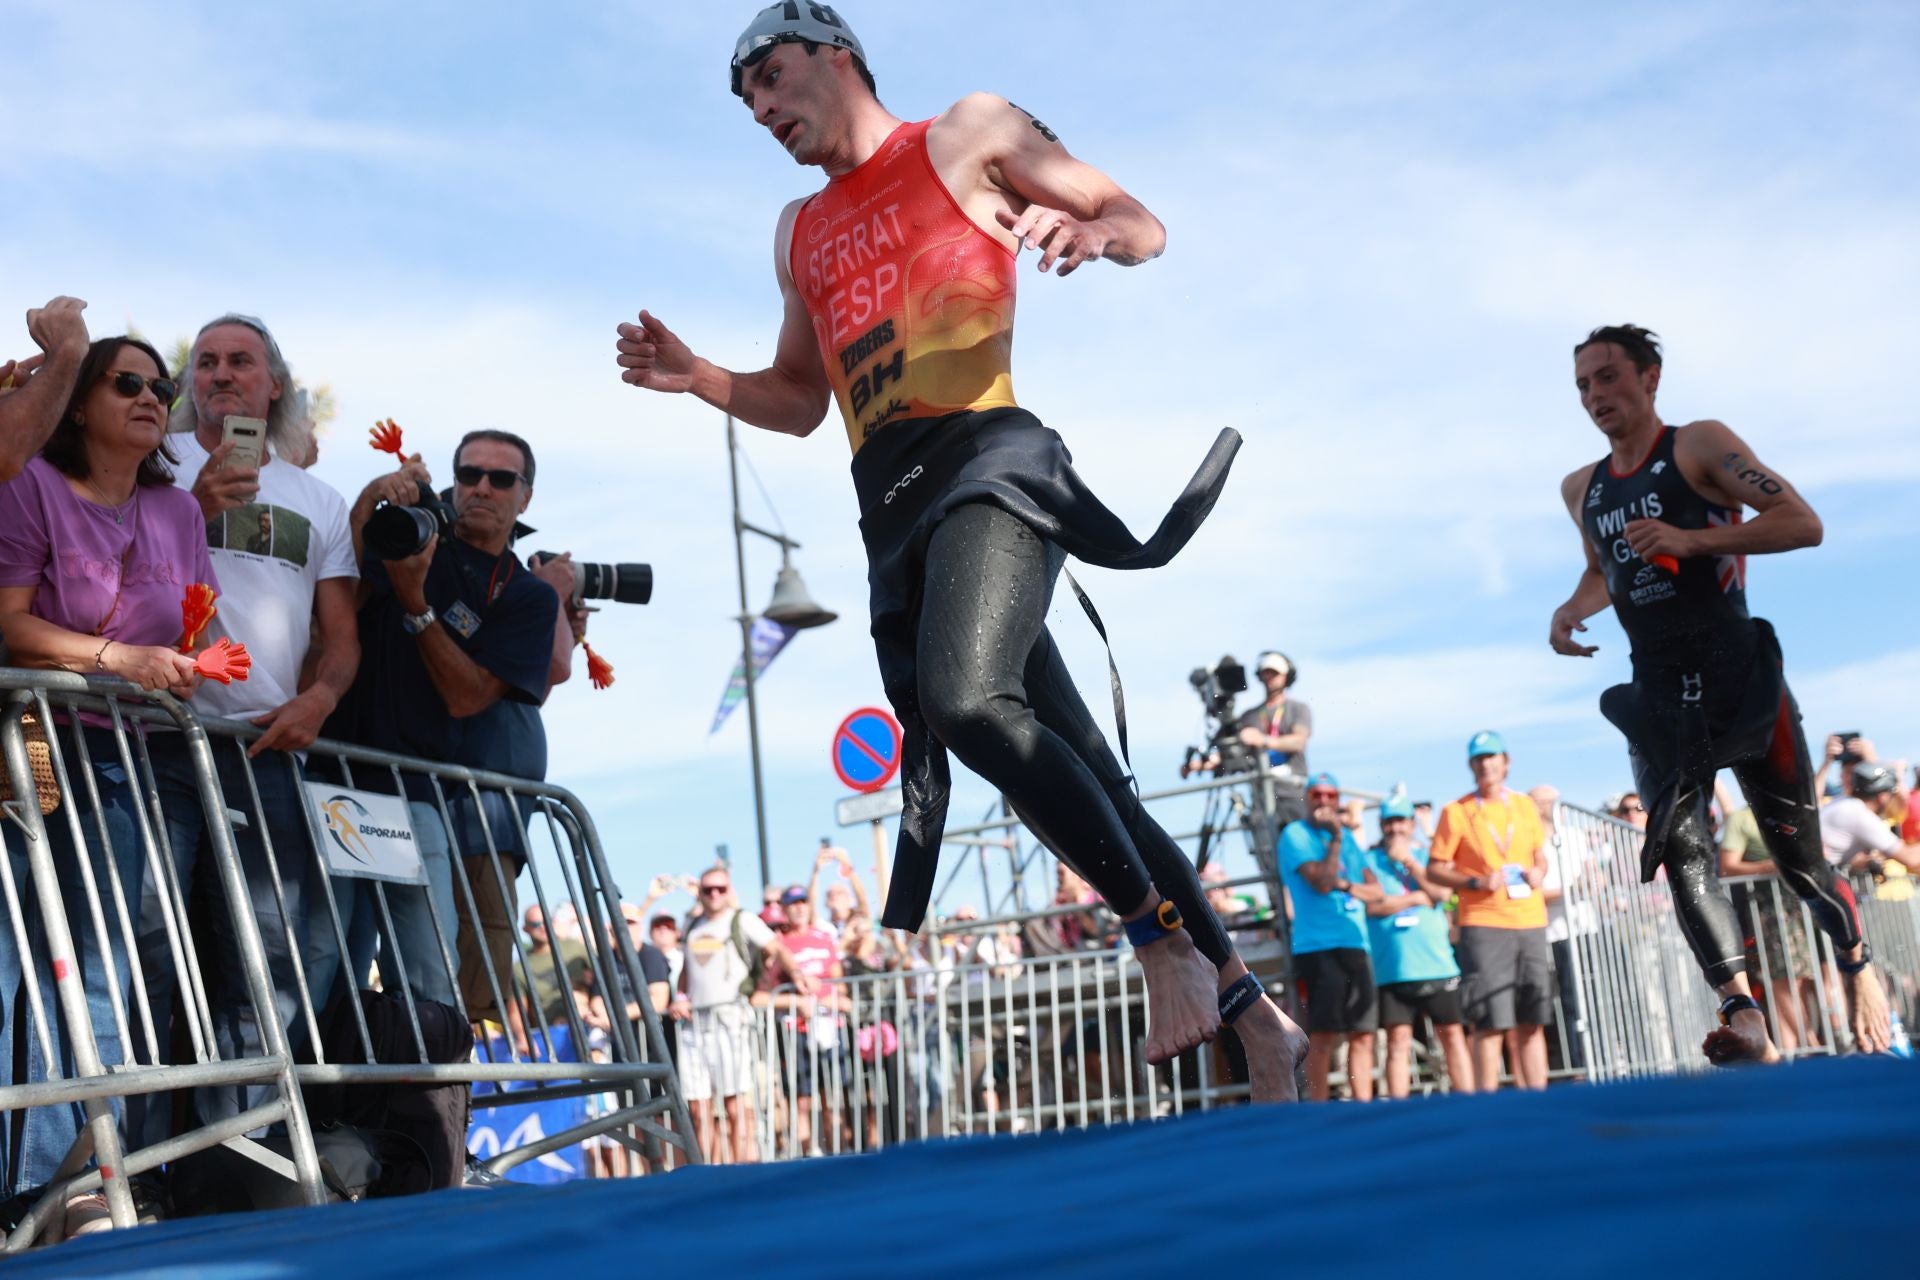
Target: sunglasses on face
(1324, 795)
(713, 888)
(129, 384)
(499, 478)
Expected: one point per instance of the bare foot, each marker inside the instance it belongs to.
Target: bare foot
(1867, 1010)
(1744, 1041)
(1276, 1052)
(1183, 1008)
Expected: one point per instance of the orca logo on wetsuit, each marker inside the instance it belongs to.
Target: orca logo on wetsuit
(902, 483)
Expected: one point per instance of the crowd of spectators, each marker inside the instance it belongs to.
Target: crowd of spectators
(122, 485)
(119, 489)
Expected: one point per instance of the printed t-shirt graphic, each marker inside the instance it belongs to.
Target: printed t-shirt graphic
(715, 967)
(261, 529)
(911, 301)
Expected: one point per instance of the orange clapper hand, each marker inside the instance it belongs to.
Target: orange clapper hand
(385, 436)
(224, 661)
(196, 611)
(599, 670)
(1667, 564)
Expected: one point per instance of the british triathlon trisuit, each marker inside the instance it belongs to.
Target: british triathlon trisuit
(1708, 693)
(967, 507)
(912, 303)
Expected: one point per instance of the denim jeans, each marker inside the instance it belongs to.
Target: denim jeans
(236, 1027)
(48, 1132)
(415, 946)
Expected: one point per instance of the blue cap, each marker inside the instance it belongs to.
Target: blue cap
(1398, 807)
(1323, 779)
(1486, 743)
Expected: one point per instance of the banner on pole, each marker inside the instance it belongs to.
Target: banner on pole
(768, 639)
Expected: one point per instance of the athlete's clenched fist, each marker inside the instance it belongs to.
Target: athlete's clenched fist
(652, 357)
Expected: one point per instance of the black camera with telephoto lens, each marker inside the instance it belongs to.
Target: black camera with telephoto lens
(394, 532)
(620, 583)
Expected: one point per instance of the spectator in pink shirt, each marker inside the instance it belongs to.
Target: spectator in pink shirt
(812, 1049)
(97, 549)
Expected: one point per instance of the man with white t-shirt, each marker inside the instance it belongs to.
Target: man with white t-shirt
(277, 597)
(1854, 828)
(716, 1055)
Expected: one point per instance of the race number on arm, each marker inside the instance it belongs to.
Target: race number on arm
(1722, 468)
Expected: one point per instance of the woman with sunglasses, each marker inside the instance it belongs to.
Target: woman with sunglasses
(97, 549)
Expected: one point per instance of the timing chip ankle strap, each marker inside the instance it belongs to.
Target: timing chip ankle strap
(1240, 997)
(1155, 925)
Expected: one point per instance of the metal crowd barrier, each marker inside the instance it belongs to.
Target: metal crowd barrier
(1644, 1005)
(286, 892)
(53, 894)
(1038, 1042)
(1030, 1044)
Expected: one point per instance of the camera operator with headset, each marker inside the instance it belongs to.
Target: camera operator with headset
(458, 637)
(1279, 726)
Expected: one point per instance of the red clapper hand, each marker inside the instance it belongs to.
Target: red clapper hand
(224, 661)
(1667, 564)
(385, 436)
(196, 611)
(599, 670)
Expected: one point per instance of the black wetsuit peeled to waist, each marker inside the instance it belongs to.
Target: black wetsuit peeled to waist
(967, 520)
(1708, 693)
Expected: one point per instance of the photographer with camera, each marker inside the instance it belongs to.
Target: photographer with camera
(452, 625)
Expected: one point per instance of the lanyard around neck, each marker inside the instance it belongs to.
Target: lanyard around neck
(1499, 843)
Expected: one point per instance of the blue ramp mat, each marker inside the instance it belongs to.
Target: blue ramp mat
(1763, 1172)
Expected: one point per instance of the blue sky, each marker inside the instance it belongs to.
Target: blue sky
(1387, 226)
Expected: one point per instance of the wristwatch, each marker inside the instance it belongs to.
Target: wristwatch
(1475, 883)
(414, 623)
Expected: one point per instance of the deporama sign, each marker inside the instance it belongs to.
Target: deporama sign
(365, 835)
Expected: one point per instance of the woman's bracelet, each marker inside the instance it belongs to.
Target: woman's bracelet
(98, 665)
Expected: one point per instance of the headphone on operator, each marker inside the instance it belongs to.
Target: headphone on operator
(1293, 671)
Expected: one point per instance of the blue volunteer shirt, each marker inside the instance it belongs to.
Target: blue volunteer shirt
(1322, 921)
(1411, 946)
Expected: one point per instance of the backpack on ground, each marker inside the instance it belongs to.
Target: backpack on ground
(420, 1129)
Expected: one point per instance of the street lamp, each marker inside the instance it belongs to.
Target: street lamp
(791, 606)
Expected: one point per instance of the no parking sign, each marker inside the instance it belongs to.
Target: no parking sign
(866, 749)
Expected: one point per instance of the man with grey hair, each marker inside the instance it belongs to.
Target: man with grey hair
(279, 595)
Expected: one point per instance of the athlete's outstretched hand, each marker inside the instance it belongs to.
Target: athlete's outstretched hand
(1560, 634)
(1059, 236)
(652, 356)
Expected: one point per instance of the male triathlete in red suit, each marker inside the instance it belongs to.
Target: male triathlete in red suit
(898, 282)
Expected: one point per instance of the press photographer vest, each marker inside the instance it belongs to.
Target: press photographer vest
(1662, 613)
(911, 302)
